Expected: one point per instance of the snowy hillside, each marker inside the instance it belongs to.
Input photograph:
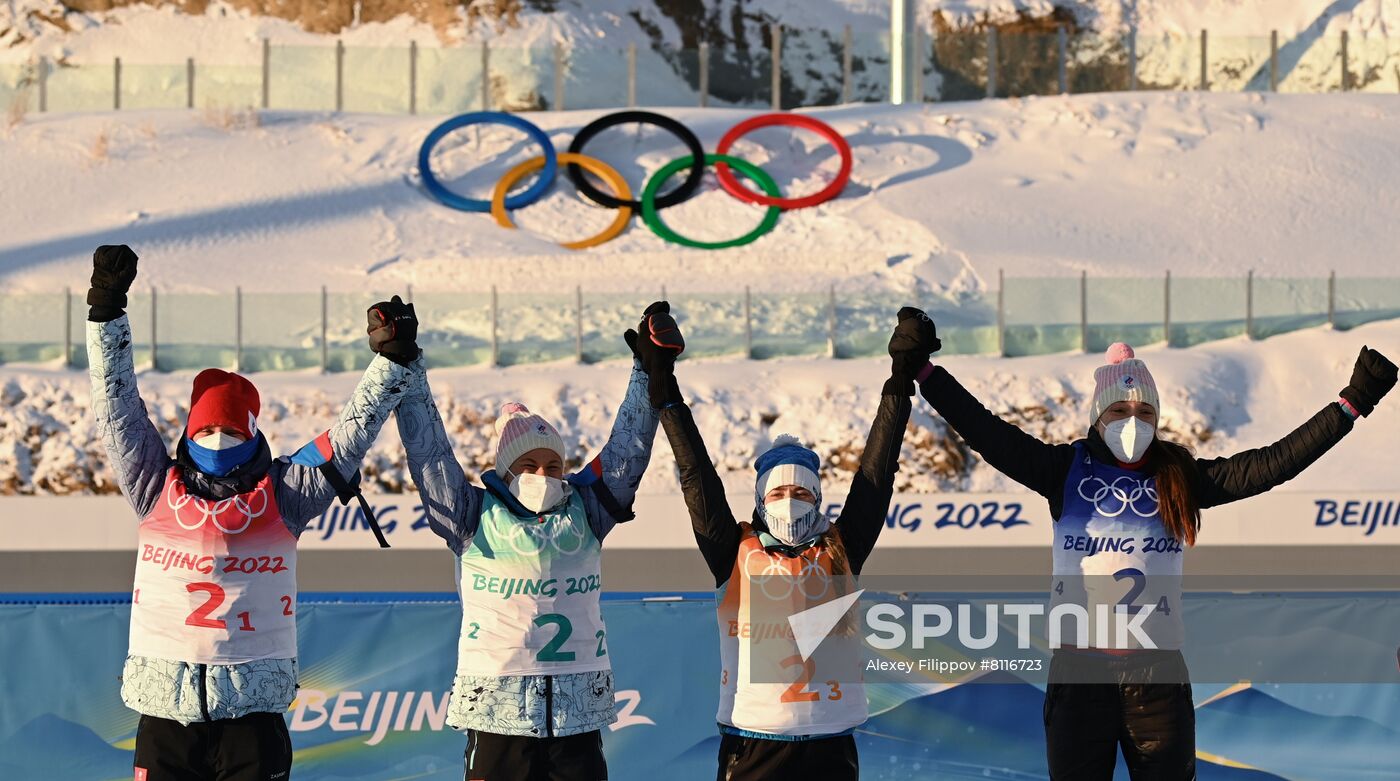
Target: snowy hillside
(941, 197)
(1219, 398)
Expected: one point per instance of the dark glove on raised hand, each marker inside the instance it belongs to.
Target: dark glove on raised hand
(657, 343)
(915, 338)
(113, 271)
(1371, 378)
(393, 330)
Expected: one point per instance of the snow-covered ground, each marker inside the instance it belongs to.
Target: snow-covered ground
(1219, 398)
(941, 197)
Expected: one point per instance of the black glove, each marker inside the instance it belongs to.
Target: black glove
(393, 330)
(913, 341)
(657, 343)
(1371, 378)
(113, 271)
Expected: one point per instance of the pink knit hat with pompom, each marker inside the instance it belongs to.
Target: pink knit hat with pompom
(518, 431)
(1125, 378)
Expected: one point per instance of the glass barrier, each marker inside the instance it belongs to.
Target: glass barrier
(449, 80)
(596, 78)
(377, 79)
(81, 88)
(1168, 62)
(1204, 309)
(1283, 305)
(195, 331)
(522, 79)
(742, 77)
(154, 86)
(18, 91)
(301, 78)
(1309, 64)
(1131, 310)
(230, 87)
(456, 328)
(1362, 300)
(606, 316)
(281, 331)
(670, 77)
(960, 62)
(1237, 63)
(1029, 64)
(786, 325)
(1098, 63)
(870, 67)
(1042, 315)
(32, 327)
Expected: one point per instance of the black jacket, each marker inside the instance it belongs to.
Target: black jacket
(1043, 467)
(862, 516)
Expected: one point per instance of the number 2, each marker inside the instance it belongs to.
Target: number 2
(200, 615)
(797, 692)
(551, 652)
(1139, 585)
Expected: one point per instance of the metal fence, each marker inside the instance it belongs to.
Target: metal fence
(789, 68)
(1025, 316)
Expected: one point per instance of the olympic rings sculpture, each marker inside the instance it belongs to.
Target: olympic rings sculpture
(651, 201)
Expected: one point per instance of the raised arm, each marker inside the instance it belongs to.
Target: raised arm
(863, 515)
(1252, 472)
(135, 450)
(716, 530)
(617, 469)
(451, 507)
(1037, 465)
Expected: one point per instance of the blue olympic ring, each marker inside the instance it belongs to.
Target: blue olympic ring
(449, 198)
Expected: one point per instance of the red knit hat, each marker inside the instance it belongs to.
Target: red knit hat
(223, 398)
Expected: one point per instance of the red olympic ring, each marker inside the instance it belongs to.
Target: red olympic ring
(731, 184)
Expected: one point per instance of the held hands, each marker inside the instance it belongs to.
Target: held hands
(393, 330)
(915, 338)
(657, 343)
(1371, 378)
(113, 271)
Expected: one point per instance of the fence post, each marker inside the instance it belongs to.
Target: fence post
(1346, 75)
(1332, 300)
(339, 75)
(238, 328)
(485, 76)
(267, 74)
(43, 84)
(325, 330)
(578, 322)
(558, 77)
(1001, 313)
(117, 83)
(67, 326)
(991, 62)
(1084, 311)
(1132, 58)
(846, 86)
(155, 365)
(748, 323)
(1273, 60)
(831, 323)
(1249, 304)
(189, 82)
(413, 77)
(1167, 310)
(631, 75)
(776, 81)
(1205, 77)
(704, 75)
(1063, 40)
(495, 329)
(916, 62)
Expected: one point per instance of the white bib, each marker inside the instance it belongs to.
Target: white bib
(765, 684)
(530, 589)
(215, 580)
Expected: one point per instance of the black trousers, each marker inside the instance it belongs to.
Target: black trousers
(1141, 703)
(255, 747)
(755, 759)
(493, 757)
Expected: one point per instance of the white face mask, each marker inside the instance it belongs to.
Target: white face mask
(537, 492)
(219, 441)
(793, 521)
(1128, 438)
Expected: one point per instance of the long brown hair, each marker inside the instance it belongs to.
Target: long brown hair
(1176, 496)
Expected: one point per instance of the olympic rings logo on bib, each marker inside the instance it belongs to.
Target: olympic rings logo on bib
(1110, 500)
(777, 581)
(531, 539)
(620, 198)
(249, 507)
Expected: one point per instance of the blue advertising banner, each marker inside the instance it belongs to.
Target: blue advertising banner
(374, 678)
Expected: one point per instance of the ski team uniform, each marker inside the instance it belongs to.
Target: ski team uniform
(534, 683)
(211, 664)
(772, 727)
(1112, 549)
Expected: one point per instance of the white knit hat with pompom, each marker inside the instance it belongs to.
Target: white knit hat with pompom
(518, 431)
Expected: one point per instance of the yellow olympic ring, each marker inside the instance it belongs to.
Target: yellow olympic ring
(591, 164)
